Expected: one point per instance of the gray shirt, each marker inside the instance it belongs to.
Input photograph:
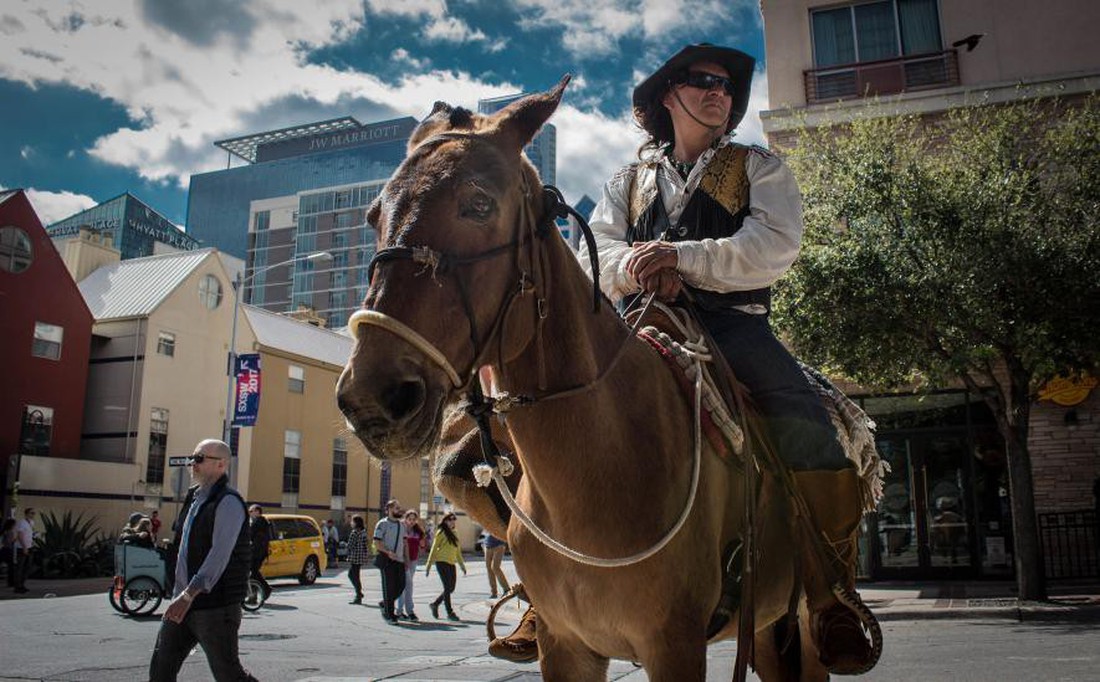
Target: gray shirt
(228, 519)
(390, 534)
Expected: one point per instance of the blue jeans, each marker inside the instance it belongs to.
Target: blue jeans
(795, 420)
(215, 630)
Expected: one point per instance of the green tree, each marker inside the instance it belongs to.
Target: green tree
(959, 249)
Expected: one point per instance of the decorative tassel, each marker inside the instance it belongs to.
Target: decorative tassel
(483, 474)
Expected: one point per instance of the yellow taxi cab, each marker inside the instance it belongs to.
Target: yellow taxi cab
(296, 550)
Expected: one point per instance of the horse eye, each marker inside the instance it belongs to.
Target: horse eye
(479, 207)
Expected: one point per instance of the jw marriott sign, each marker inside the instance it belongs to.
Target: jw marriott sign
(386, 131)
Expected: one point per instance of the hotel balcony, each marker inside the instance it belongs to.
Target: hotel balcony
(883, 77)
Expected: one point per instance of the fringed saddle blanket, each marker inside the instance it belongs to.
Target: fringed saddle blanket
(855, 430)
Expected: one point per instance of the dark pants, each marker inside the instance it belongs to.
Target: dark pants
(447, 576)
(330, 547)
(353, 576)
(254, 573)
(215, 630)
(393, 584)
(20, 569)
(796, 421)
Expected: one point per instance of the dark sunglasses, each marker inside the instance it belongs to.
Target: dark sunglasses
(706, 81)
(199, 458)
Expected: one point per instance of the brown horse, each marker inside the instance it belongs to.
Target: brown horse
(472, 274)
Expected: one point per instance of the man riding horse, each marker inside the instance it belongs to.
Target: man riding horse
(702, 217)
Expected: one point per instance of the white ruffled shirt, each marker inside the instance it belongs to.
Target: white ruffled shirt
(753, 258)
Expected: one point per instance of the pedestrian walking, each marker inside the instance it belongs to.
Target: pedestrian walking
(494, 555)
(332, 541)
(389, 542)
(357, 555)
(415, 540)
(154, 520)
(210, 578)
(24, 541)
(259, 534)
(445, 553)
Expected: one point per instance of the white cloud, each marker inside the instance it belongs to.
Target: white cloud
(54, 206)
(26, 151)
(592, 29)
(402, 56)
(591, 146)
(409, 8)
(751, 130)
(452, 30)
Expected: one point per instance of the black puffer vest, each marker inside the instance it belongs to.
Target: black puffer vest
(232, 587)
(716, 209)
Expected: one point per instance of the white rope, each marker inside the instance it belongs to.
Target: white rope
(407, 334)
(587, 559)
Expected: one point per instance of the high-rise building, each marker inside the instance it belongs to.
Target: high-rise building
(284, 230)
(542, 151)
(129, 224)
(280, 163)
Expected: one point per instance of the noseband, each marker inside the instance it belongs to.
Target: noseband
(444, 263)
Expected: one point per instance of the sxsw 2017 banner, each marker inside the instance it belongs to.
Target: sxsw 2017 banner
(247, 403)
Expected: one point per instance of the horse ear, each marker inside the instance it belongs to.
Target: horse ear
(520, 121)
(441, 111)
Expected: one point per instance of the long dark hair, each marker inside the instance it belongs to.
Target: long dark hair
(446, 530)
(655, 120)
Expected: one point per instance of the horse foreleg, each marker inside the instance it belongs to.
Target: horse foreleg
(563, 660)
(676, 661)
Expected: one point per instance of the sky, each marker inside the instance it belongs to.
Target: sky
(102, 97)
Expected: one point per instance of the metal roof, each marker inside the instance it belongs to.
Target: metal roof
(7, 194)
(300, 338)
(245, 147)
(135, 287)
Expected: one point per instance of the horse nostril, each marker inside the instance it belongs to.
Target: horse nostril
(404, 398)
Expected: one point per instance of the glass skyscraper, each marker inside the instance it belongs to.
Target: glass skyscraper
(135, 228)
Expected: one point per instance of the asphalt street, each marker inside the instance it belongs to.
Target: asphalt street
(313, 634)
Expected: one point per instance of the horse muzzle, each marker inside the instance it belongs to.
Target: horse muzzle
(391, 404)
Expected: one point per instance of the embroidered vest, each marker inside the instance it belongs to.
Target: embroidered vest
(716, 209)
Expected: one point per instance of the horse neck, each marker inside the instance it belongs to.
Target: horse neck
(556, 437)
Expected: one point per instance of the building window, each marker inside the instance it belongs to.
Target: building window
(292, 444)
(210, 291)
(339, 467)
(16, 253)
(158, 446)
(291, 474)
(166, 345)
(263, 220)
(34, 438)
(296, 379)
(875, 30)
(47, 341)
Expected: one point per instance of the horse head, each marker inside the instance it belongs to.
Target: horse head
(455, 278)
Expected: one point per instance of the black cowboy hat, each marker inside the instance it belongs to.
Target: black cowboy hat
(738, 64)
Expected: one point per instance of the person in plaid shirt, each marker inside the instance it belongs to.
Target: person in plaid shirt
(357, 555)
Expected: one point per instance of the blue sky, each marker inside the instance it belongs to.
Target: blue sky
(106, 96)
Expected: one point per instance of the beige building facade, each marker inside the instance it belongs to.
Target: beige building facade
(158, 385)
(945, 512)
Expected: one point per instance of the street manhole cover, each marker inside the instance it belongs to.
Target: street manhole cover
(266, 637)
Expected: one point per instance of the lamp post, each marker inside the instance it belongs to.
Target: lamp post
(319, 256)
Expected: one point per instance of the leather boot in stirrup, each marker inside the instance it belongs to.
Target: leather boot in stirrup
(522, 645)
(839, 619)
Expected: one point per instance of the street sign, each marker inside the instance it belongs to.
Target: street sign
(179, 461)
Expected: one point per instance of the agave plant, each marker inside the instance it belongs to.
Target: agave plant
(69, 546)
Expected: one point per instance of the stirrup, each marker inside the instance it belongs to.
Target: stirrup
(851, 600)
(515, 591)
